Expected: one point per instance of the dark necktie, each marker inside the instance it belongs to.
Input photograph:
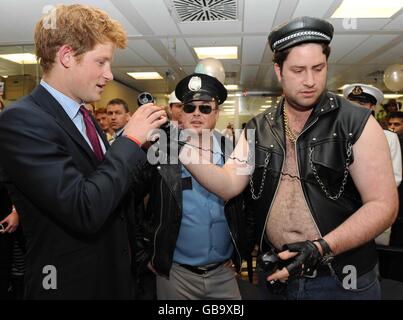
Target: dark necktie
(92, 133)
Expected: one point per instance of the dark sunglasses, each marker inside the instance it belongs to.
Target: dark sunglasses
(204, 108)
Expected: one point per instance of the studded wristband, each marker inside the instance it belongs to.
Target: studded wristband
(327, 254)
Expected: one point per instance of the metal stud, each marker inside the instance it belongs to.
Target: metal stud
(334, 134)
(271, 146)
(314, 139)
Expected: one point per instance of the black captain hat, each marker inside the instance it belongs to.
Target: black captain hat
(300, 30)
(200, 86)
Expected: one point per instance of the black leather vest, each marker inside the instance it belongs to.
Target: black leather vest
(324, 146)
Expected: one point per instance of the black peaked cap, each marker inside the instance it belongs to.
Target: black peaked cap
(300, 30)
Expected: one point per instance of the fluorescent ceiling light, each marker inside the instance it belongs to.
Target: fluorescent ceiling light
(229, 102)
(5, 76)
(368, 9)
(231, 87)
(392, 96)
(145, 75)
(343, 87)
(21, 58)
(217, 52)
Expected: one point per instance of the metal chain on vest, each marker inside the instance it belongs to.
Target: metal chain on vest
(346, 170)
(252, 189)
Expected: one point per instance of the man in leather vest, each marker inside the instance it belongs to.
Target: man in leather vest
(312, 182)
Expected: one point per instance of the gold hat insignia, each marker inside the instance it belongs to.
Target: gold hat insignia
(357, 91)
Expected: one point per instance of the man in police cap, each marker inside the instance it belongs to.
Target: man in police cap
(312, 186)
(196, 240)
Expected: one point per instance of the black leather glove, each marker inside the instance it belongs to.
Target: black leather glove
(305, 261)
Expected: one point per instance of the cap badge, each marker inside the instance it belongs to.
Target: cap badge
(195, 84)
(357, 91)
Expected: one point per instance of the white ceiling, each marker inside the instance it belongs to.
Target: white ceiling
(361, 50)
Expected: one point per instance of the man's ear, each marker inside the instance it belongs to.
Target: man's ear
(217, 115)
(277, 70)
(128, 116)
(65, 55)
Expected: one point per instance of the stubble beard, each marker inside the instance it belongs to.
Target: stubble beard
(296, 103)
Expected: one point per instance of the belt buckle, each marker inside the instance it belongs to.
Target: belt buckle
(202, 270)
(206, 269)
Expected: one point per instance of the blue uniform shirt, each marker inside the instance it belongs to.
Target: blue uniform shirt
(204, 235)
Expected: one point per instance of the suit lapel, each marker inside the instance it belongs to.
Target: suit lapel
(45, 101)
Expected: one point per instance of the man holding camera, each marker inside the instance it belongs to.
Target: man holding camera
(312, 186)
(69, 187)
(196, 236)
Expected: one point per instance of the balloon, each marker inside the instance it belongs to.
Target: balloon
(393, 77)
(211, 67)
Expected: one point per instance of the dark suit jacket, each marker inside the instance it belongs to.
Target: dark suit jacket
(72, 208)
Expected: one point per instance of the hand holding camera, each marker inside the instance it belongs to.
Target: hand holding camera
(146, 97)
(147, 118)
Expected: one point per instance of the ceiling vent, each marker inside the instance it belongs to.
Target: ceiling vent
(205, 10)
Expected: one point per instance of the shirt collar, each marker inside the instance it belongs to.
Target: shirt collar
(118, 133)
(70, 106)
